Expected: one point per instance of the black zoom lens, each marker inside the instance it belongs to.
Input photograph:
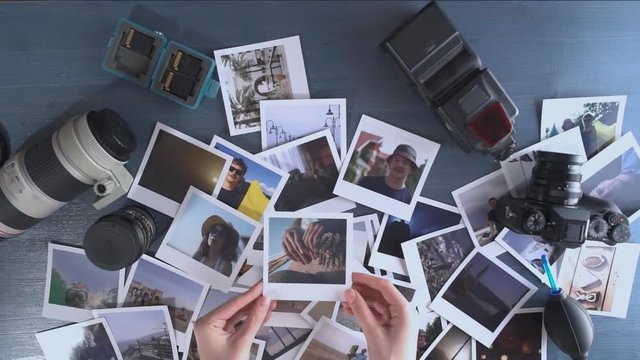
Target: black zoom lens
(119, 239)
(556, 178)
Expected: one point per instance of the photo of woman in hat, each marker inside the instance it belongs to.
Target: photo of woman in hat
(218, 248)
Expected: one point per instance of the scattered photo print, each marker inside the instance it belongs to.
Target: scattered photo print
(86, 340)
(75, 286)
(477, 203)
(523, 338)
(264, 71)
(312, 163)
(431, 261)
(332, 341)
(528, 250)
(249, 184)
(208, 239)
(518, 167)
(347, 320)
(451, 344)
(600, 277)
(307, 258)
(614, 175)
(482, 296)
(172, 163)
(152, 282)
(386, 167)
(280, 340)
(428, 216)
(144, 332)
(288, 313)
(257, 349)
(318, 309)
(598, 118)
(286, 120)
(430, 327)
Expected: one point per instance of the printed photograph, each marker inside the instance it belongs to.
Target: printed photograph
(286, 120)
(280, 340)
(75, 286)
(522, 339)
(314, 250)
(528, 250)
(257, 349)
(598, 118)
(208, 239)
(427, 217)
(477, 203)
(154, 283)
(386, 168)
(312, 163)
(249, 184)
(600, 277)
(434, 259)
(86, 340)
(331, 341)
(142, 333)
(451, 344)
(362, 238)
(318, 309)
(288, 313)
(347, 320)
(214, 299)
(614, 175)
(518, 167)
(264, 71)
(164, 177)
(482, 296)
(430, 327)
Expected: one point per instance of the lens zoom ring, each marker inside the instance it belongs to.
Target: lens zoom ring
(12, 217)
(47, 172)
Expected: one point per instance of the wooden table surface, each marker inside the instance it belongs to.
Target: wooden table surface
(50, 69)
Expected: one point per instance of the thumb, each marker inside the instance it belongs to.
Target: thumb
(361, 311)
(254, 321)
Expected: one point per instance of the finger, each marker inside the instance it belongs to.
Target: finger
(361, 312)
(228, 309)
(254, 321)
(384, 286)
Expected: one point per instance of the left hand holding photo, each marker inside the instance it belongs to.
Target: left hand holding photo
(227, 331)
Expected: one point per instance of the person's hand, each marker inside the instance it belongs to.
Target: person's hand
(383, 314)
(221, 334)
(294, 247)
(313, 232)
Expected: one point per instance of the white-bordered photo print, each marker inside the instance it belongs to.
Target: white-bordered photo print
(386, 167)
(451, 344)
(317, 309)
(362, 241)
(288, 313)
(427, 217)
(599, 119)
(523, 338)
(79, 341)
(528, 250)
(248, 74)
(432, 258)
(75, 286)
(332, 341)
(430, 326)
(257, 349)
(312, 163)
(282, 343)
(517, 167)
(141, 331)
(250, 184)
(286, 120)
(477, 203)
(307, 258)
(614, 175)
(171, 164)
(208, 239)
(600, 277)
(152, 282)
(481, 296)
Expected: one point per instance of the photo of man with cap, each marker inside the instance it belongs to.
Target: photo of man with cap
(401, 164)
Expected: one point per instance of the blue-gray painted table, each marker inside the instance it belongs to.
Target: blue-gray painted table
(50, 68)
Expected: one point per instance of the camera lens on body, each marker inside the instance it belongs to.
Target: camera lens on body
(119, 239)
(89, 150)
(556, 178)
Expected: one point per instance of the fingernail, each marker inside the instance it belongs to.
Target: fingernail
(350, 295)
(264, 301)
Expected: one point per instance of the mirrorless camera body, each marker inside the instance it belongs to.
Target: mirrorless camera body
(556, 209)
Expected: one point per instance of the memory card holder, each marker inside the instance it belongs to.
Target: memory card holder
(170, 69)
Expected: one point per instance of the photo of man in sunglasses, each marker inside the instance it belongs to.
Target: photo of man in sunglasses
(234, 187)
